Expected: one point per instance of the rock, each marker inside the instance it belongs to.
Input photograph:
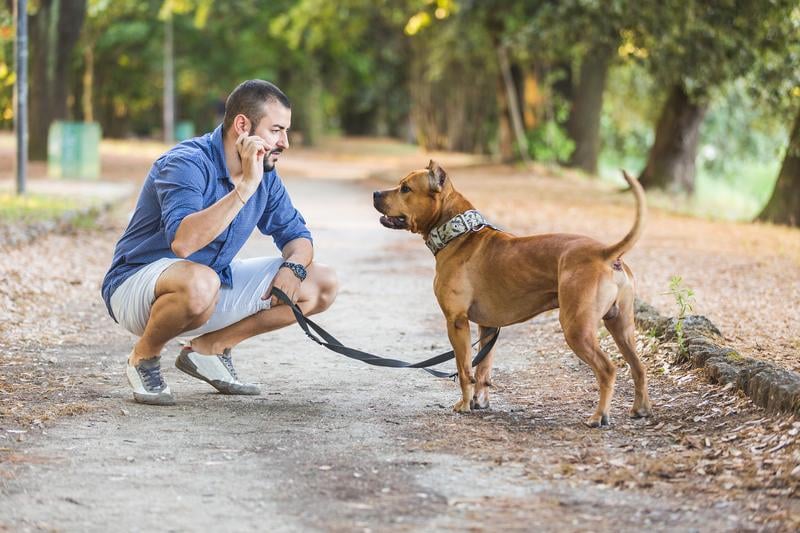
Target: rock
(766, 384)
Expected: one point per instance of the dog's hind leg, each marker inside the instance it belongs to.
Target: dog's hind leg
(458, 332)
(579, 318)
(483, 373)
(622, 330)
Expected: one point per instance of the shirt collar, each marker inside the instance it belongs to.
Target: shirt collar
(218, 150)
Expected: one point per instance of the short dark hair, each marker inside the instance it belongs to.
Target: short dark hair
(248, 99)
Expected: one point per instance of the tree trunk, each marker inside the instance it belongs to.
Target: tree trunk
(505, 136)
(784, 205)
(583, 125)
(671, 164)
(513, 103)
(54, 30)
(87, 94)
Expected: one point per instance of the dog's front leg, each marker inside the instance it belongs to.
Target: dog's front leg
(458, 331)
(483, 373)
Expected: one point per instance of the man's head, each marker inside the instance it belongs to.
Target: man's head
(257, 107)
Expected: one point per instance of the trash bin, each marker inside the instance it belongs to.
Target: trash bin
(73, 150)
(184, 130)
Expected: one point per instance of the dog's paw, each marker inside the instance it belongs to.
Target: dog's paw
(461, 407)
(641, 411)
(598, 420)
(480, 401)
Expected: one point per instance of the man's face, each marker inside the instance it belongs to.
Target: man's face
(274, 130)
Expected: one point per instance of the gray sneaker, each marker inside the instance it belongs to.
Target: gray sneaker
(148, 384)
(216, 370)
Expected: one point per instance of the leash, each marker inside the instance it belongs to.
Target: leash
(330, 342)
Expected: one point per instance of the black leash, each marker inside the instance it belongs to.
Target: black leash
(330, 342)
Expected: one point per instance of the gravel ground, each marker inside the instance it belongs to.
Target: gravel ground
(336, 445)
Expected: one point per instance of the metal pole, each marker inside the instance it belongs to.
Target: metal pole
(21, 115)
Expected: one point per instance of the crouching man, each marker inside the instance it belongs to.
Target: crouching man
(174, 271)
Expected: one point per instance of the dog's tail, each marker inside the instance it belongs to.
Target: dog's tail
(615, 251)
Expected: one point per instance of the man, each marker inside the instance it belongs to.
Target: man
(174, 271)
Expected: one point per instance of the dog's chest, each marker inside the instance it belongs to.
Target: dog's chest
(478, 314)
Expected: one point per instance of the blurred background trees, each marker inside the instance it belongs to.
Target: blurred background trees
(700, 98)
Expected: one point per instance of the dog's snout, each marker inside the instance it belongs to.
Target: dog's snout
(377, 199)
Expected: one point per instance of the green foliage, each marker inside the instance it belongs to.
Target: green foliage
(684, 299)
(7, 74)
(705, 44)
(550, 143)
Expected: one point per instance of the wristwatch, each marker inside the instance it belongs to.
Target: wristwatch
(296, 268)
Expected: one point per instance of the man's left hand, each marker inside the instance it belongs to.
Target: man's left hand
(286, 281)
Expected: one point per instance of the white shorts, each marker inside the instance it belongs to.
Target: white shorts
(132, 301)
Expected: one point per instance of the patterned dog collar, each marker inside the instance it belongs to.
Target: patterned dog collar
(460, 224)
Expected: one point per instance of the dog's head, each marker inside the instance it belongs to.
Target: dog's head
(416, 203)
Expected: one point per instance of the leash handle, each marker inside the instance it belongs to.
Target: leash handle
(333, 344)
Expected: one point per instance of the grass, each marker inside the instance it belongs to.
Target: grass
(36, 207)
(737, 196)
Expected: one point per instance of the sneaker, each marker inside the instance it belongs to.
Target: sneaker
(216, 370)
(147, 383)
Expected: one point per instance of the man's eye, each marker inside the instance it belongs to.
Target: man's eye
(405, 188)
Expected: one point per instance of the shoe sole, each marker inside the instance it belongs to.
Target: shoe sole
(184, 365)
(154, 399)
(151, 398)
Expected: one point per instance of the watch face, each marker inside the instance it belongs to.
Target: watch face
(297, 269)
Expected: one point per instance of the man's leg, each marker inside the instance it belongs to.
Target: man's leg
(317, 293)
(186, 294)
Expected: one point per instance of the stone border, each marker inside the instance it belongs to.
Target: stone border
(766, 384)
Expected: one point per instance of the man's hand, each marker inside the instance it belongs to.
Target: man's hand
(252, 150)
(286, 281)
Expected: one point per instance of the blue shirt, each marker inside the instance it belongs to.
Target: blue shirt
(189, 178)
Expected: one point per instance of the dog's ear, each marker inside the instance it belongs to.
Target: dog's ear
(436, 176)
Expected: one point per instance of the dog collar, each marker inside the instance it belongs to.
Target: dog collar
(460, 224)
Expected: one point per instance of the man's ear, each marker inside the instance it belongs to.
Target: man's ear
(436, 176)
(241, 124)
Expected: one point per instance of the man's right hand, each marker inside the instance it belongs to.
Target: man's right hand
(252, 150)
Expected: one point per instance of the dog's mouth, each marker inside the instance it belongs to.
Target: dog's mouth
(394, 222)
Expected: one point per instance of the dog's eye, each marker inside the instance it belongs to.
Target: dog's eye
(405, 188)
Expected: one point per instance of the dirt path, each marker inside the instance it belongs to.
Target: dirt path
(337, 445)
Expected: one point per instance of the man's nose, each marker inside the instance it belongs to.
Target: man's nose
(283, 141)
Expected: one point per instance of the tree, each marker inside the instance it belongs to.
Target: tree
(54, 28)
(671, 162)
(694, 48)
(583, 125)
(784, 205)
(583, 36)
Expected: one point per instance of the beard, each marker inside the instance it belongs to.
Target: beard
(268, 167)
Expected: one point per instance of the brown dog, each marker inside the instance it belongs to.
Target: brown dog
(494, 279)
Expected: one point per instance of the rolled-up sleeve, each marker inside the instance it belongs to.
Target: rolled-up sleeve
(281, 220)
(179, 185)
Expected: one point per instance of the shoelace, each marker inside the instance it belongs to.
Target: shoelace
(152, 377)
(227, 360)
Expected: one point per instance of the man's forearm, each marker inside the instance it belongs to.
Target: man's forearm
(198, 229)
(299, 251)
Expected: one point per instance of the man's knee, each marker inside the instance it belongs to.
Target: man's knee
(327, 285)
(200, 287)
